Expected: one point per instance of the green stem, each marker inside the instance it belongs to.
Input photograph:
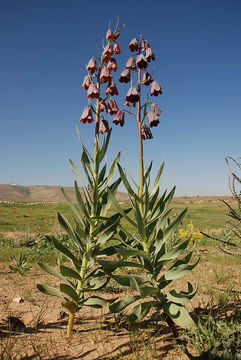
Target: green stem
(70, 324)
(138, 118)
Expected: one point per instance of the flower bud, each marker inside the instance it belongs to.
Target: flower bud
(155, 88)
(103, 127)
(116, 48)
(109, 35)
(134, 45)
(112, 89)
(112, 107)
(149, 55)
(141, 61)
(152, 119)
(146, 133)
(146, 79)
(105, 75)
(92, 66)
(119, 118)
(155, 109)
(125, 76)
(132, 95)
(131, 65)
(86, 83)
(86, 115)
(93, 92)
(112, 65)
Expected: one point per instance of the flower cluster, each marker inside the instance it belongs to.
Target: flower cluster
(100, 72)
(138, 62)
(190, 232)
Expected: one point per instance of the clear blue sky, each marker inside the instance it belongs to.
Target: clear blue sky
(44, 46)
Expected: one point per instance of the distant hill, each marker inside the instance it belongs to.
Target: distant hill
(40, 193)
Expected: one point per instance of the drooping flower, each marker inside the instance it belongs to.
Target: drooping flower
(155, 109)
(109, 35)
(92, 92)
(112, 107)
(107, 53)
(128, 103)
(146, 79)
(150, 55)
(92, 66)
(86, 83)
(152, 119)
(132, 95)
(141, 61)
(115, 35)
(112, 65)
(146, 133)
(155, 88)
(105, 75)
(103, 127)
(116, 48)
(119, 118)
(131, 65)
(125, 76)
(86, 115)
(134, 45)
(103, 105)
(144, 45)
(112, 89)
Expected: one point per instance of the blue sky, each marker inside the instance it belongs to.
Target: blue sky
(44, 48)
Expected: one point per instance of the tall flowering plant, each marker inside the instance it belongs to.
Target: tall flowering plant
(149, 249)
(92, 229)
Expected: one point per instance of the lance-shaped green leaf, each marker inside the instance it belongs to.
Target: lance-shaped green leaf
(49, 290)
(179, 315)
(157, 180)
(134, 284)
(127, 184)
(101, 176)
(80, 200)
(147, 173)
(97, 284)
(128, 252)
(181, 297)
(124, 280)
(70, 231)
(122, 304)
(72, 207)
(153, 200)
(120, 210)
(83, 147)
(112, 168)
(140, 311)
(66, 271)
(111, 265)
(140, 222)
(163, 255)
(68, 290)
(105, 197)
(55, 273)
(169, 230)
(102, 151)
(148, 291)
(67, 253)
(87, 168)
(179, 271)
(96, 302)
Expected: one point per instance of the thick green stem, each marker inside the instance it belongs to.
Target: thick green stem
(70, 324)
(138, 118)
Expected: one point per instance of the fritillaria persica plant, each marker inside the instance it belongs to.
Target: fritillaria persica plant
(149, 248)
(92, 229)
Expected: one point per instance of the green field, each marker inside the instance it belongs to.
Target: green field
(204, 213)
